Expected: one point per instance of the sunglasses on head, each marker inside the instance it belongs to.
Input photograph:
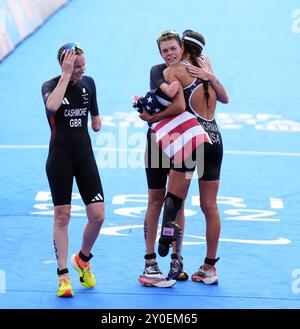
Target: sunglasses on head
(69, 46)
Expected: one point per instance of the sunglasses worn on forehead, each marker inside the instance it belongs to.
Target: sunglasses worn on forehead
(70, 46)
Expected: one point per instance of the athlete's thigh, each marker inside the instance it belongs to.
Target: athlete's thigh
(60, 177)
(213, 155)
(208, 191)
(179, 183)
(157, 164)
(88, 181)
(157, 177)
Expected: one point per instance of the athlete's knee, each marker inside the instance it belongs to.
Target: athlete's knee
(96, 215)
(209, 207)
(157, 203)
(172, 205)
(173, 201)
(96, 219)
(62, 217)
(156, 200)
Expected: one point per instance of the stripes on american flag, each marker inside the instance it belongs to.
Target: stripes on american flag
(178, 136)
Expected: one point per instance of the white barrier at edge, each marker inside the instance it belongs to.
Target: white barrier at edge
(20, 19)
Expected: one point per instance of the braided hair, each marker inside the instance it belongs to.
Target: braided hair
(193, 43)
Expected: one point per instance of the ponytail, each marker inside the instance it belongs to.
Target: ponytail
(193, 43)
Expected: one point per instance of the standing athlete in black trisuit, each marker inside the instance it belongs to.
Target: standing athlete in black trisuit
(68, 99)
(201, 95)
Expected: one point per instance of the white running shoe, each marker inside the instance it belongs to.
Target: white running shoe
(153, 277)
(206, 276)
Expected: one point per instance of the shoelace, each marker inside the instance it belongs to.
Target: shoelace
(87, 270)
(201, 271)
(175, 267)
(153, 268)
(64, 281)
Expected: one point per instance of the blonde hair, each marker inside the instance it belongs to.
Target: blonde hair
(168, 35)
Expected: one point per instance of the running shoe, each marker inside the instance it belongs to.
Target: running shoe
(87, 278)
(64, 289)
(151, 275)
(176, 271)
(206, 276)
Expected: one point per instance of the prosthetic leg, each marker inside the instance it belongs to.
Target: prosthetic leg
(170, 231)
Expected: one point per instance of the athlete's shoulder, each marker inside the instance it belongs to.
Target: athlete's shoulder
(174, 67)
(159, 67)
(51, 82)
(87, 82)
(87, 79)
(205, 60)
(48, 86)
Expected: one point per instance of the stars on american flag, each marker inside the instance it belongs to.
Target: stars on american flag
(150, 102)
(149, 99)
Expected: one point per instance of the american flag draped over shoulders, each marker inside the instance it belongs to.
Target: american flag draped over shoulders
(153, 102)
(178, 136)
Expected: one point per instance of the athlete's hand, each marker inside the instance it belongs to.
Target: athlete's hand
(68, 62)
(148, 117)
(145, 116)
(198, 72)
(135, 100)
(96, 123)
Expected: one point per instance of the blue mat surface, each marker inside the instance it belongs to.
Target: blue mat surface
(254, 50)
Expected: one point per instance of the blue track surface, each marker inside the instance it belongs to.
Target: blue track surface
(255, 53)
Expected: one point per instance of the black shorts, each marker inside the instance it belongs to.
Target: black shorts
(208, 157)
(157, 164)
(60, 171)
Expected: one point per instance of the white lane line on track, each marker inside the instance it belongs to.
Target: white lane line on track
(276, 203)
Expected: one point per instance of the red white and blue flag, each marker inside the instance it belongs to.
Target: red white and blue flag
(180, 135)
